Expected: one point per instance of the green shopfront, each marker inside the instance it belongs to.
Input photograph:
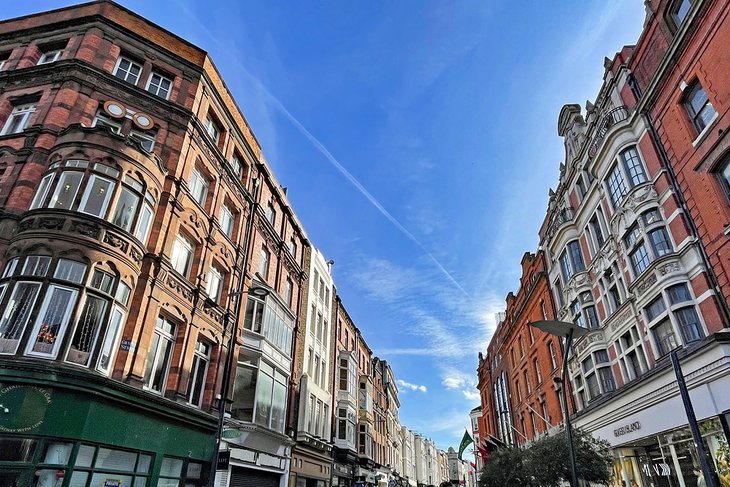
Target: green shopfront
(61, 428)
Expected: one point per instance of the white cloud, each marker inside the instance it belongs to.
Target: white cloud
(410, 386)
(471, 395)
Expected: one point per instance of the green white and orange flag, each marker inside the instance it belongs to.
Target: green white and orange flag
(464, 443)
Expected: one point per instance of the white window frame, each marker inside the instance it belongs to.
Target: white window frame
(24, 112)
(199, 357)
(264, 258)
(182, 244)
(212, 129)
(199, 185)
(48, 57)
(227, 220)
(145, 138)
(87, 193)
(169, 337)
(127, 73)
(156, 91)
(8, 309)
(42, 192)
(214, 286)
(70, 306)
(111, 338)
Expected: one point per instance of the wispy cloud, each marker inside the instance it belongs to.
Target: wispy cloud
(410, 386)
(279, 106)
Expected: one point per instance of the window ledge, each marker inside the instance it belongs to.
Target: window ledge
(705, 132)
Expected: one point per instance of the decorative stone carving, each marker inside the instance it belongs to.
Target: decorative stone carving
(669, 267)
(136, 255)
(179, 287)
(86, 229)
(116, 241)
(647, 282)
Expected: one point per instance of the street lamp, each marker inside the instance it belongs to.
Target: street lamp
(568, 331)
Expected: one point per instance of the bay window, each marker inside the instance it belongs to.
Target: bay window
(596, 368)
(647, 240)
(630, 353)
(627, 173)
(680, 315)
(272, 320)
(125, 204)
(159, 355)
(584, 311)
(260, 394)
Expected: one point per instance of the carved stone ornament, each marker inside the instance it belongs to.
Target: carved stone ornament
(669, 267)
(179, 288)
(646, 282)
(116, 241)
(51, 223)
(86, 229)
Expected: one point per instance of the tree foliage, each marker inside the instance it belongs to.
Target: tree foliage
(545, 462)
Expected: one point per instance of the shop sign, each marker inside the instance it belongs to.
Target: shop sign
(112, 483)
(626, 429)
(224, 458)
(230, 433)
(659, 469)
(127, 345)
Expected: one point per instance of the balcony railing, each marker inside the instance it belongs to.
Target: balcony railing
(608, 120)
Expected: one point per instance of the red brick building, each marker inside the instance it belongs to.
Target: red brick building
(135, 205)
(519, 399)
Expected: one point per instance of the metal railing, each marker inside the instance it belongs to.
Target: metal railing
(608, 120)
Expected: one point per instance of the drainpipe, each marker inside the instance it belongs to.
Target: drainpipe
(664, 157)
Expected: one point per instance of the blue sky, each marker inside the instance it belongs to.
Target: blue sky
(418, 141)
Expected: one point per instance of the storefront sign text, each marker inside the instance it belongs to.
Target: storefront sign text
(660, 469)
(626, 429)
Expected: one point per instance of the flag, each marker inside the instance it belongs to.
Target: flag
(464, 443)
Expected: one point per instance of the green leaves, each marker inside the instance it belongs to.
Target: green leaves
(545, 462)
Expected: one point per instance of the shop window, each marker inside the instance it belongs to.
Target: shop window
(159, 355)
(199, 373)
(19, 119)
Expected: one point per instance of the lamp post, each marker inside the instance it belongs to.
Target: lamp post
(568, 331)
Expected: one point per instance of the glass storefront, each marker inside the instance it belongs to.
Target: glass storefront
(670, 459)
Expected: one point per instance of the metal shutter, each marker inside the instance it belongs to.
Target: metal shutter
(246, 477)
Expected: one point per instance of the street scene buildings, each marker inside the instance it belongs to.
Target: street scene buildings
(632, 245)
(156, 281)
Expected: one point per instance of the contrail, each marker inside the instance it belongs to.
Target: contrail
(328, 155)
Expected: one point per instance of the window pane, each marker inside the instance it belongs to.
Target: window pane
(263, 397)
(16, 450)
(678, 294)
(69, 270)
(665, 338)
(163, 361)
(85, 456)
(52, 321)
(616, 186)
(244, 392)
(655, 308)
(126, 209)
(103, 281)
(660, 242)
(278, 407)
(640, 259)
(78, 479)
(110, 339)
(87, 329)
(182, 255)
(66, 189)
(36, 265)
(145, 217)
(171, 467)
(689, 323)
(16, 314)
(633, 166)
(96, 197)
(41, 192)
